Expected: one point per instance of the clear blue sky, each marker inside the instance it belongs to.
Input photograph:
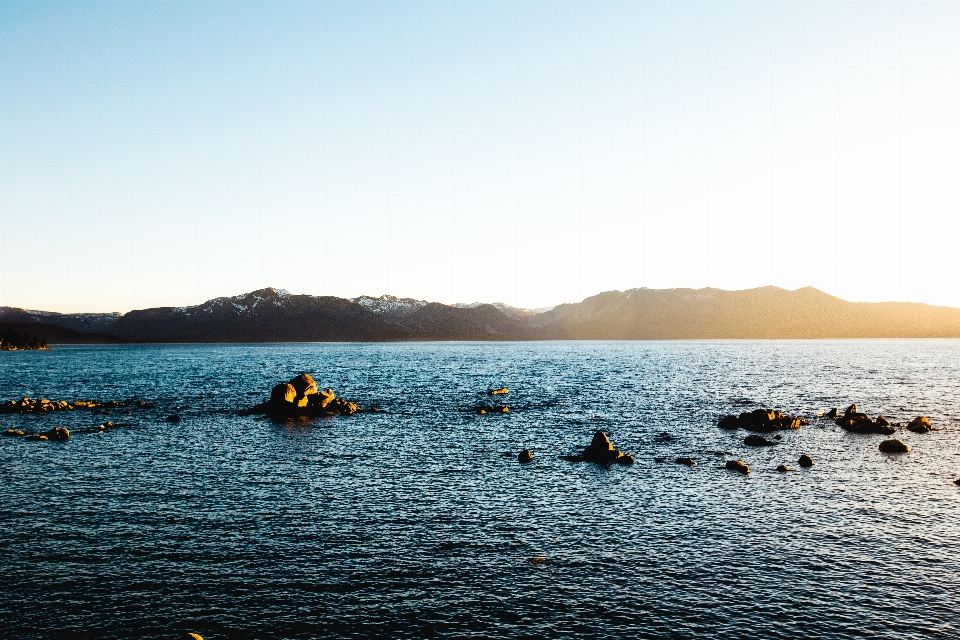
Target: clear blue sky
(164, 153)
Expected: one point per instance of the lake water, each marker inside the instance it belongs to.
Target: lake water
(420, 521)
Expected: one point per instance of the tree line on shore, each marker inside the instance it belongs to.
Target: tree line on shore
(15, 340)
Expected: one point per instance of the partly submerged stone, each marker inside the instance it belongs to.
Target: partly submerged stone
(783, 468)
(690, 462)
(525, 456)
(761, 421)
(920, 424)
(58, 433)
(805, 461)
(758, 441)
(602, 451)
(894, 446)
(737, 465)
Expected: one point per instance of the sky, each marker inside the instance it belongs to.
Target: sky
(533, 153)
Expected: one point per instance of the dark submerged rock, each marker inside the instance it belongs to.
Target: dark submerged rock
(690, 462)
(737, 465)
(833, 413)
(758, 441)
(729, 423)
(525, 456)
(13, 432)
(783, 468)
(173, 418)
(805, 461)
(894, 446)
(882, 420)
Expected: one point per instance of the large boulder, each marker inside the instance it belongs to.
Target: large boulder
(894, 446)
(304, 384)
(283, 393)
(920, 424)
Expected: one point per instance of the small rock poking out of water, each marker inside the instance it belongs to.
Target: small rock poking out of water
(920, 424)
(525, 456)
(58, 433)
(739, 466)
(601, 451)
(498, 392)
(538, 560)
(857, 422)
(300, 397)
(805, 461)
(783, 468)
(761, 421)
(192, 636)
(37, 436)
(758, 441)
(484, 410)
(173, 418)
(106, 426)
(690, 462)
(13, 432)
(957, 482)
(894, 446)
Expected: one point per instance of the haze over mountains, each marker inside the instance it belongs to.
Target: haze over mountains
(273, 315)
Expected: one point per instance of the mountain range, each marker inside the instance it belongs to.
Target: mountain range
(274, 315)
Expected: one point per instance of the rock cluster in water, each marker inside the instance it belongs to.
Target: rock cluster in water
(761, 421)
(300, 397)
(601, 451)
(43, 405)
(855, 421)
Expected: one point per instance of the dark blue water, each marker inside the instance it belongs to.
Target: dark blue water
(420, 521)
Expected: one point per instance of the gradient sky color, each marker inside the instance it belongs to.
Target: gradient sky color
(164, 153)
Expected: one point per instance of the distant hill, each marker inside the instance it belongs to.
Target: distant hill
(274, 315)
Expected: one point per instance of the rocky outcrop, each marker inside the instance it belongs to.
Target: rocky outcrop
(738, 466)
(300, 397)
(761, 421)
(601, 451)
(920, 424)
(857, 422)
(43, 405)
(805, 461)
(894, 446)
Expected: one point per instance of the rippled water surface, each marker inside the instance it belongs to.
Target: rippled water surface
(420, 521)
